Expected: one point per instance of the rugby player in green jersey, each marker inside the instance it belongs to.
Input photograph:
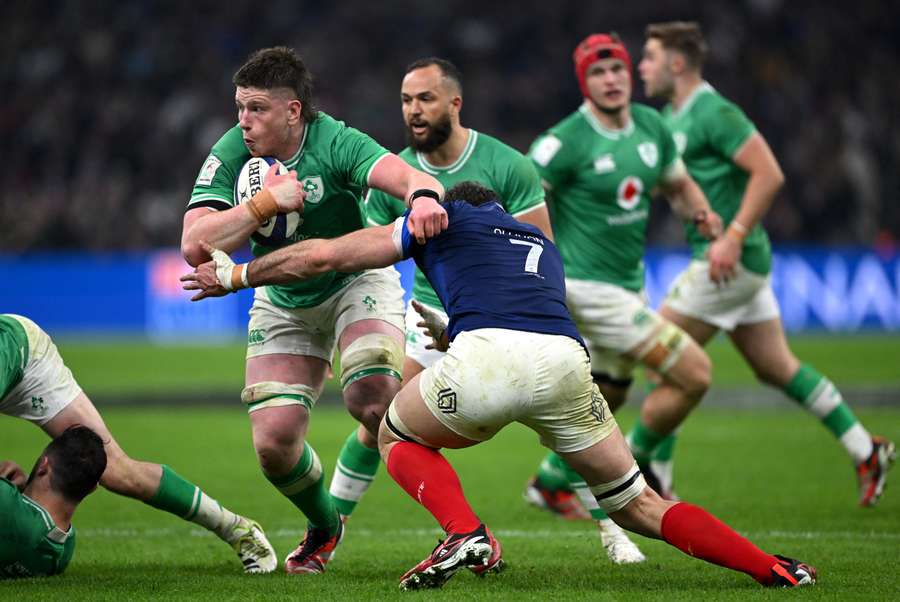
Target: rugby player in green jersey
(36, 385)
(599, 166)
(294, 328)
(37, 538)
(431, 99)
(727, 284)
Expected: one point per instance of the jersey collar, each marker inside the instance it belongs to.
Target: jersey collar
(456, 165)
(292, 162)
(604, 131)
(703, 88)
(54, 533)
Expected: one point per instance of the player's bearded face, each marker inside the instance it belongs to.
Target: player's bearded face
(264, 118)
(609, 84)
(426, 136)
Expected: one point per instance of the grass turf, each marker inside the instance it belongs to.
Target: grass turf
(107, 368)
(776, 476)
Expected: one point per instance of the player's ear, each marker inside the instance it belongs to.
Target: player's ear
(295, 110)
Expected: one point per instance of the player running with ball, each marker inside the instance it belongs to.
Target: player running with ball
(295, 326)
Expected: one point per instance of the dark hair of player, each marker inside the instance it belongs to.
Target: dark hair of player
(278, 67)
(77, 461)
(682, 36)
(448, 70)
(471, 192)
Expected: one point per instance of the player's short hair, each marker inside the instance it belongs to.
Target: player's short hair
(684, 36)
(77, 461)
(448, 70)
(278, 67)
(471, 192)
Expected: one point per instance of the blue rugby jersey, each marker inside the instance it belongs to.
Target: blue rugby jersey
(491, 271)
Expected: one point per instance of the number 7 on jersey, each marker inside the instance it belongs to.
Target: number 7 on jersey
(534, 254)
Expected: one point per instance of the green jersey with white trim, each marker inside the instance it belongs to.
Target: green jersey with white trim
(31, 545)
(485, 160)
(333, 162)
(599, 182)
(13, 353)
(708, 131)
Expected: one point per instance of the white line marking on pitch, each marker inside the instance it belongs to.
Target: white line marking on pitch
(134, 532)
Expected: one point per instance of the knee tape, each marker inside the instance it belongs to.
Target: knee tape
(371, 354)
(272, 394)
(662, 350)
(615, 495)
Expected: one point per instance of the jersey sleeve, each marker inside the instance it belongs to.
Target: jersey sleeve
(214, 186)
(355, 154)
(726, 128)
(382, 208)
(9, 504)
(521, 189)
(405, 243)
(548, 155)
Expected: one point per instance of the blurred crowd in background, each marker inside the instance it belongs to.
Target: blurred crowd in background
(109, 109)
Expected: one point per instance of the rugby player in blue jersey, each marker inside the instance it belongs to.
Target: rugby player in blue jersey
(513, 355)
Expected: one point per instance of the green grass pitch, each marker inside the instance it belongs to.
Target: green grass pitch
(775, 475)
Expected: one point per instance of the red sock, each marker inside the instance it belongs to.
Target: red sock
(427, 476)
(698, 533)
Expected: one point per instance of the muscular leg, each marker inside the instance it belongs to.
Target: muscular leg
(366, 398)
(637, 508)
(683, 384)
(279, 422)
(766, 350)
(417, 465)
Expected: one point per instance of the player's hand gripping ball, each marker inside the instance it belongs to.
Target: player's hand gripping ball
(278, 229)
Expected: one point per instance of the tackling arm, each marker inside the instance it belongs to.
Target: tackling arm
(538, 217)
(363, 249)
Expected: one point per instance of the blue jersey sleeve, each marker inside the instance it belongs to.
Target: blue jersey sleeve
(404, 241)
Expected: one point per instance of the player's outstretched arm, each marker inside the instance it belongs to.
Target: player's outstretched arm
(421, 192)
(364, 249)
(688, 201)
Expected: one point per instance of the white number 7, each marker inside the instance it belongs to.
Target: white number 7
(534, 254)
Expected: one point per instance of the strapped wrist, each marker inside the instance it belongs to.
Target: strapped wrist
(239, 277)
(737, 231)
(262, 206)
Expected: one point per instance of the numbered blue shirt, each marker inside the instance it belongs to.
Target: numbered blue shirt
(491, 271)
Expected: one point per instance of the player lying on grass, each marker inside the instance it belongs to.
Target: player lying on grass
(515, 356)
(37, 538)
(36, 385)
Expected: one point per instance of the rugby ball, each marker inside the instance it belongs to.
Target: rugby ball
(278, 229)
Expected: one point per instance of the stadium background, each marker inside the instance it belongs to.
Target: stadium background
(109, 109)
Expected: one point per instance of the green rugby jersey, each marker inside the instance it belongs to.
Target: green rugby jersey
(599, 182)
(485, 160)
(333, 162)
(708, 131)
(30, 543)
(13, 353)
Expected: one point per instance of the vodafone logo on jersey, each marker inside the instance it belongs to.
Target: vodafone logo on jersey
(630, 193)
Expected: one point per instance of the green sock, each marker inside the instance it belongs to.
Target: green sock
(353, 474)
(666, 448)
(185, 500)
(552, 473)
(819, 396)
(304, 485)
(643, 442)
(580, 487)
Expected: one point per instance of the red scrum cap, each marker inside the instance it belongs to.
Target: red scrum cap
(593, 48)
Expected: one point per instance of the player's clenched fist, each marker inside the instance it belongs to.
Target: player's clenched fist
(285, 189)
(427, 218)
